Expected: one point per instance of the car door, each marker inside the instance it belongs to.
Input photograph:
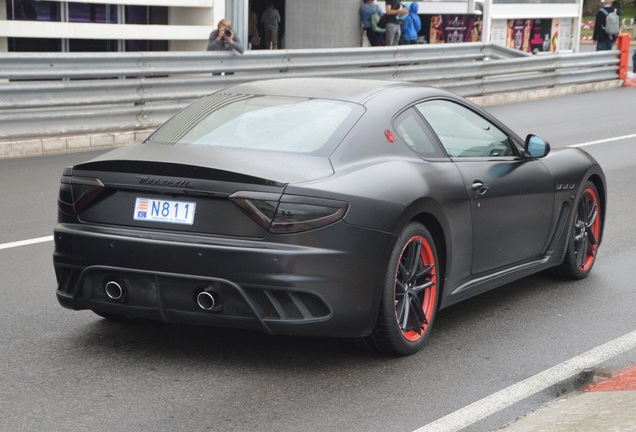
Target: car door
(511, 196)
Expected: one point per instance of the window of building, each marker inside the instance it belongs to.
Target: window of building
(74, 12)
(92, 13)
(146, 15)
(30, 10)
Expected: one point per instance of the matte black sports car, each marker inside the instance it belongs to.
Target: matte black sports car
(324, 207)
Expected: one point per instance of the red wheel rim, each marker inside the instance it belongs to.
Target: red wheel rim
(587, 228)
(415, 288)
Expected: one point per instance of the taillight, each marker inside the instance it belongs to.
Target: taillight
(289, 213)
(77, 192)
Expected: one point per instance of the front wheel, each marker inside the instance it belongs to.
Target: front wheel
(410, 295)
(583, 244)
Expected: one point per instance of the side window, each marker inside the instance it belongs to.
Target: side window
(464, 133)
(413, 131)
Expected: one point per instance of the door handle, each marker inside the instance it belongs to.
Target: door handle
(480, 188)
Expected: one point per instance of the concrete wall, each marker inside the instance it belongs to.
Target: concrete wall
(191, 16)
(318, 24)
(4, 43)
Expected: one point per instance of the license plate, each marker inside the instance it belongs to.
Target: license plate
(154, 210)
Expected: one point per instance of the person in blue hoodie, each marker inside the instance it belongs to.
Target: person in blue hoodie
(412, 26)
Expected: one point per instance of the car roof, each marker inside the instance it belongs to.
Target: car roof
(344, 89)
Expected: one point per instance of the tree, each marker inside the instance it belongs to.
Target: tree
(590, 7)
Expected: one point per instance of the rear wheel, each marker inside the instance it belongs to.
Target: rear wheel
(583, 244)
(410, 295)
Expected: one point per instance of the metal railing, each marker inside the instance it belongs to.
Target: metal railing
(69, 93)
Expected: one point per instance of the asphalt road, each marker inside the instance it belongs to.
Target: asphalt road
(72, 371)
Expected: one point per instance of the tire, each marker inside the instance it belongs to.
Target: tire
(409, 297)
(583, 242)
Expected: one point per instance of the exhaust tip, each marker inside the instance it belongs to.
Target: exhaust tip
(208, 301)
(114, 290)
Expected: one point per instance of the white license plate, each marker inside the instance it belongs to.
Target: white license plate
(154, 210)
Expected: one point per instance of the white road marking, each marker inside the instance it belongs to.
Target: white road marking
(25, 242)
(504, 398)
(603, 141)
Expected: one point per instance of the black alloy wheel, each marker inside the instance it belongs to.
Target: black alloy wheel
(410, 295)
(583, 244)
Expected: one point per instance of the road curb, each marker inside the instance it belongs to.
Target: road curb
(607, 404)
(544, 93)
(43, 146)
(624, 380)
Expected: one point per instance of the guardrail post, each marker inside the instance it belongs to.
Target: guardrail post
(623, 46)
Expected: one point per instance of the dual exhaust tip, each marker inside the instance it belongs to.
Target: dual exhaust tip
(207, 300)
(115, 290)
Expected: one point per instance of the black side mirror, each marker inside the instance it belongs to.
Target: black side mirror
(536, 147)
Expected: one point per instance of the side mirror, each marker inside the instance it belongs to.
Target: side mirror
(536, 147)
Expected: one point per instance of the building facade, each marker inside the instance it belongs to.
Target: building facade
(184, 25)
(119, 25)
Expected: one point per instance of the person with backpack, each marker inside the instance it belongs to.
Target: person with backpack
(607, 26)
(368, 10)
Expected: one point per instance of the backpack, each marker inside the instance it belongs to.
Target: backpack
(382, 22)
(375, 23)
(612, 23)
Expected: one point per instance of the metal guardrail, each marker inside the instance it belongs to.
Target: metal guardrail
(70, 93)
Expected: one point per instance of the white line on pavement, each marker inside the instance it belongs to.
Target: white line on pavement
(504, 398)
(25, 242)
(606, 140)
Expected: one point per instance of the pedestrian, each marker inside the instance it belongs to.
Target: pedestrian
(368, 9)
(270, 19)
(253, 37)
(392, 27)
(223, 38)
(603, 34)
(411, 26)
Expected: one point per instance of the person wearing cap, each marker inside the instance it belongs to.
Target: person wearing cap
(603, 40)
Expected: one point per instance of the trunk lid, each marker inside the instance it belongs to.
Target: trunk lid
(188, 188)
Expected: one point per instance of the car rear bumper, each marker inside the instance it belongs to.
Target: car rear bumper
(279, 287)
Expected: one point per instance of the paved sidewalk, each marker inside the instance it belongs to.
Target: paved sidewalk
(605, 405)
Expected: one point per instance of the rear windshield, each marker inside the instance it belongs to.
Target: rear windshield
(288, 124)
